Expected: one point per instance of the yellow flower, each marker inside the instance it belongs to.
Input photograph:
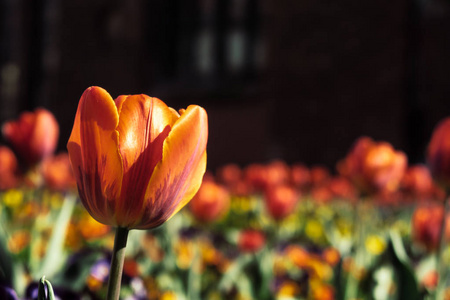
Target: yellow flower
(375, 244)
(168, 296)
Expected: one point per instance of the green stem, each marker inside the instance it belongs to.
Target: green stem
(440, 251)
(118, 257)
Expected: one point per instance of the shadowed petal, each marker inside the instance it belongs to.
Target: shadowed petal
(94, 155)
(178, 176)
(144, 123)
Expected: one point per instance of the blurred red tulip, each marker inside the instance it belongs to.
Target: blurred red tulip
(255, 176)
(281, 201)
(438, 155)
(251, 240)
(229, 174)
(57, 173)
(277, 173)
(417, 183)
(322, 194)
(319, 175)
(426, 224)
(300, 177)
(8, 169)
(342, 188)
(374, 166)
(34, 135)
(211, 202)
(261, 177)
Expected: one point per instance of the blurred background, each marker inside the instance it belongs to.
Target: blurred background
(296, 80)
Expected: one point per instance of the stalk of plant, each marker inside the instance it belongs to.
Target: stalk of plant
(117, 260)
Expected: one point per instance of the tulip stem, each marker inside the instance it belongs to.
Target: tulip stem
(440, 251)
(118, 257)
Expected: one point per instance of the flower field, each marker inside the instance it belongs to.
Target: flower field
(373, 228)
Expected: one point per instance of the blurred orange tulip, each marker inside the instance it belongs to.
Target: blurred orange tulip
(211, 202)
(34, 135)
(136, 161)
(438, 155)
(8, 168)
(374, 166)
(281, 201)
(57, 173)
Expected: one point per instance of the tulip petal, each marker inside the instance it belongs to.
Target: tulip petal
(178, 176)
(144, 124)
(94, 155)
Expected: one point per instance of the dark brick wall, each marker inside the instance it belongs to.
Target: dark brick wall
(331, 72)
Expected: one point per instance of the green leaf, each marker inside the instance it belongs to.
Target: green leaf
(54, 257)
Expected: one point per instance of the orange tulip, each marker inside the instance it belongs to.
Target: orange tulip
(57, 172)
(210, 203)
(374, 166)
(8, 168)
(34, 136)
(438, 155)
(136, 161)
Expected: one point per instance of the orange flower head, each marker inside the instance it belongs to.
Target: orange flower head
(34, 135)
(8, 169)
(281, 201)
(136, 161)
(57, 172)
(331, 256)
(251, 240)
(438, 154)
(299, 256)
(211, 202)
(374, 166)
(430, 279)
